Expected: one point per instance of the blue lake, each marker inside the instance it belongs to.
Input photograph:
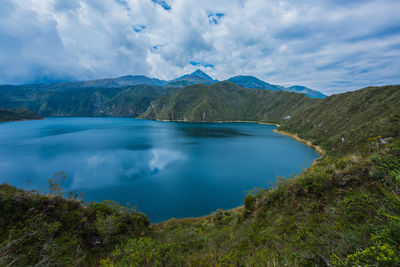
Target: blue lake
(166, 169)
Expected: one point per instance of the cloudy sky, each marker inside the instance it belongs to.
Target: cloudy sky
(331, 46)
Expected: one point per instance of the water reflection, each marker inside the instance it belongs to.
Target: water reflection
(167, 169)
(60, 129)
(210, 131)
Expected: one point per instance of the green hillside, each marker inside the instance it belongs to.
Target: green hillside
(344, 122)
(127, 101)
(225, 101)
(18, 114)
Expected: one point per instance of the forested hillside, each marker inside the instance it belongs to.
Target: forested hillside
(225, 101)
(18, 114)
(122, 101)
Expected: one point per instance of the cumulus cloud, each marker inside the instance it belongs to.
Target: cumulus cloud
(331, 46)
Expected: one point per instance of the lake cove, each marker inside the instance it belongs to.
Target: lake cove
(166, 169)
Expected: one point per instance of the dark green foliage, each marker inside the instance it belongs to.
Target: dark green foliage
(18, 114)
(388, 167)
(51, 230)
(250, 203)
(143, 251)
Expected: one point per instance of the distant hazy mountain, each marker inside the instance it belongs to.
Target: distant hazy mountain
(196, 77)
(123, 81)
(254, 83)
(119, 82)
(130, 80)
(304, 90)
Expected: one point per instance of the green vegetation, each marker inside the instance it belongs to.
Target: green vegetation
(225, 101)
(342, 211)
(343, 123)
(49, 230)
(18, 114)
(127, 101)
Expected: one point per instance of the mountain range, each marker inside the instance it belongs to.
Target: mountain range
(196, 77)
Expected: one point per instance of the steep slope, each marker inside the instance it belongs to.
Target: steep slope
(225, 101)
(344, 122)
(133, 101)
(18, 114)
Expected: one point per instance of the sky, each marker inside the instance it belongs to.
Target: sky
(331, 46)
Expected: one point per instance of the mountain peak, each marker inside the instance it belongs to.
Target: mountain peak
(201, 74)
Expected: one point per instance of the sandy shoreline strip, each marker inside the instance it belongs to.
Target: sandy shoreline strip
(307, 142)
(256, 122)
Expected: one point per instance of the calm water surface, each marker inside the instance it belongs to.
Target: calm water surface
(166, 169)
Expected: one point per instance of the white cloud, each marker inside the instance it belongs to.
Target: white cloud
(330, 46)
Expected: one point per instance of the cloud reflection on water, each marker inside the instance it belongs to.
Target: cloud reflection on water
(121, 166)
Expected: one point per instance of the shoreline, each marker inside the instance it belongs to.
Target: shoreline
(256, 122)
(307, 142)
(25, 120)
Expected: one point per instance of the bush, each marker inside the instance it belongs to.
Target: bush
(250, 203)
(142, 251)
